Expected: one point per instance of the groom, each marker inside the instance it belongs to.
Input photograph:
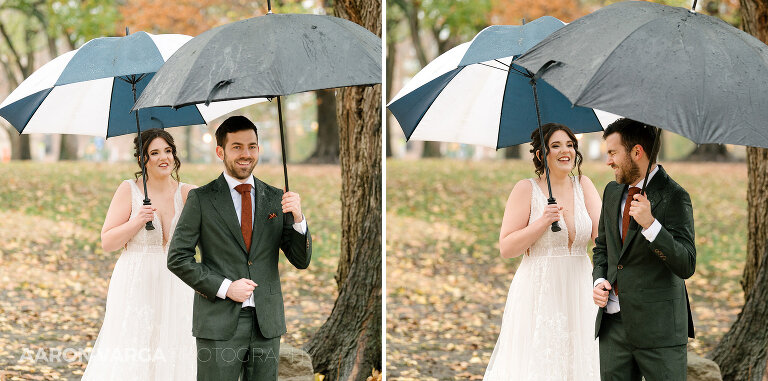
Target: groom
(238, 222)
(643, 252)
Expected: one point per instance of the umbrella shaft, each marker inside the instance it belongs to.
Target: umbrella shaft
(282, 140)
(149, 225)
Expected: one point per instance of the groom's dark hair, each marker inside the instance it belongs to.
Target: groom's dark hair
(633, 133)
(234, 124)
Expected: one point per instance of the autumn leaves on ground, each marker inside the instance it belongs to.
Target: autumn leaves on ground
(54, 275)
(447, 284)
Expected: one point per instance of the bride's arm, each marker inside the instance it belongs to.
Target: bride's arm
(516, 235)
(592, 202)
(118, 226)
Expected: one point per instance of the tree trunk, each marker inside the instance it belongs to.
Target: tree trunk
(348, 345)
(513, 152)
(741, 354)
(757, 213)
(391, 48)
(188, 143)
(709, 152)
(68, 147)
(431, 149)
(327, 146)
(23, 148)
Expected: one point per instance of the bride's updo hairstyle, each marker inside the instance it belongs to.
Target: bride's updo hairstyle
(549, 129)
(147, 137)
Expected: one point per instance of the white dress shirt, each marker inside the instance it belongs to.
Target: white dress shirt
(650, 234)
(237, 199)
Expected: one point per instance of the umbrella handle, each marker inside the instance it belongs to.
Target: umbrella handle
(149, 225)
(555, 225)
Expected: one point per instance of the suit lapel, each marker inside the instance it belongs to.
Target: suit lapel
(654, 192)
(226, 209)
(613, 208)
(260, 213)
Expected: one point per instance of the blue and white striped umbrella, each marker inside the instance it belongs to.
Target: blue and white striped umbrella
(475, 94)
(85, 92)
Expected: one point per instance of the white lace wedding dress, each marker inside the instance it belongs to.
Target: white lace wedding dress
(547, 332)
(147, 329)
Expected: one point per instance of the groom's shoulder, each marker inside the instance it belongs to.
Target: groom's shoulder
(268, 189)
(612, 186)
(205, 189)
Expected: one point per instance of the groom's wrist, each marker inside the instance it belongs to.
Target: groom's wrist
(222, 293)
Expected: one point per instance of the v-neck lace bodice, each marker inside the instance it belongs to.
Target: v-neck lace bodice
(556, 244)
(152, 240)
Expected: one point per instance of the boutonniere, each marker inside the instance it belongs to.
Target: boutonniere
(271, 216)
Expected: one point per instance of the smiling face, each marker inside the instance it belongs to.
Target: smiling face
(161, 160)
(626, 170)
(562, 152)
(240, 153)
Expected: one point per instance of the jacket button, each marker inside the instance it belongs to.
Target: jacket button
(619, 267)
(250, 263)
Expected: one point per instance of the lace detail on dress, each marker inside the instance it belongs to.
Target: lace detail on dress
(152, 240)
(553, 244)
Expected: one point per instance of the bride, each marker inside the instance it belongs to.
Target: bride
(547, 331)
(147, 329)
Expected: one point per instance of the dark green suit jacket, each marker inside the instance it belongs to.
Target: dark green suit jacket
(210, 222)
(652, 296)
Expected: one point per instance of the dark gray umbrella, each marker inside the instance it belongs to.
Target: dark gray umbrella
(267, 57)
(685, 72)
(670, 67)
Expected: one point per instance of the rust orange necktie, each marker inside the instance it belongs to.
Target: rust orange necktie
(625, 217)
(246, 221)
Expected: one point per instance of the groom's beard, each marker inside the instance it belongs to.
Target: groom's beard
(236, 171)
(628, 173)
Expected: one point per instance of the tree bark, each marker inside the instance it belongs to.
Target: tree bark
(348, 345)
(757, 211)
(741, 354)
(327, 146)
(391, 49)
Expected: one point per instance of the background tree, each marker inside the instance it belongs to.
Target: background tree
(20, 30)
(348, 345)
(741, 353)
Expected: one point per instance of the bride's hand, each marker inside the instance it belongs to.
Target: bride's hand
(551, 214)
(145, 214)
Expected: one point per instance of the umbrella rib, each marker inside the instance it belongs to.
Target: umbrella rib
(519, 72)
(505, 65)
(493, 67)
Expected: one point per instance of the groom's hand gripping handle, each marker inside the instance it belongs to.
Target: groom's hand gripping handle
(600, 293)
(291, 203)
(241, 289)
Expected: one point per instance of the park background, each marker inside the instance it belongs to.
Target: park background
(446, 282)
(55, 191)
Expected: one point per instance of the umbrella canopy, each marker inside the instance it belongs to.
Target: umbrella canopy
(685, 72)
(267, 56)
(88, 91)
(476, 94)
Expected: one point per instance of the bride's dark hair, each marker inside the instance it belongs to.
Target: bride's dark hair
(549, 129)
(147, 137)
